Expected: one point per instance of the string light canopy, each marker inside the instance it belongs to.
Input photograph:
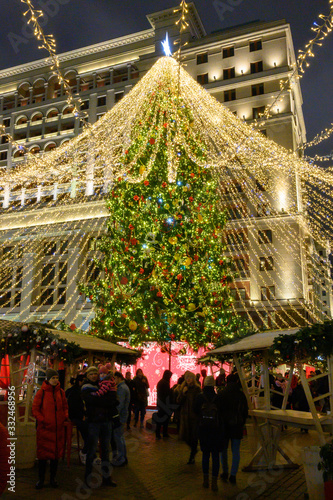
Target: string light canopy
(260, 183)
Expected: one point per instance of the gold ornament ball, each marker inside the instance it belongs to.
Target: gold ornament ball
(132, 325)
(191, 307)
(173, 240)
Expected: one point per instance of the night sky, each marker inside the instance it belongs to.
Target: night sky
(77, 23)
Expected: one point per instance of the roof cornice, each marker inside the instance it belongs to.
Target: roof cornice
(77, 53)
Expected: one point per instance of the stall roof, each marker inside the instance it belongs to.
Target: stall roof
(86, 342)
(256, 342)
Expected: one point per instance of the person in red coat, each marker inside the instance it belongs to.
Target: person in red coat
(4, 458)
(51, 411)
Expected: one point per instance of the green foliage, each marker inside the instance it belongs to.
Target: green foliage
(162, 275)
(16, 340)
(309, 343)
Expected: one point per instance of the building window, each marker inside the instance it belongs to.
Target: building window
(229, 95)
(4, 139)
(228, 73)
(6, 122)
(258, 89)
(324, 293)
(238, 265)
(236, 239)
(101, 100)
(263, 131)
(256, 67)
(118, 96)
(54, 271)
(99, 116)
(11, 273)
(265, 236)
(266, 264)
(92, 272)
(228, 52)
(84, 104)
(202, 58)
(258, 112)
(238, 293)
(202, 79)
(3, 155)
(255, 45)
(267, 292)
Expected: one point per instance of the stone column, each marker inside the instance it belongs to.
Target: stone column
(28, 130)
(31, 91)
(128, 88)
(72, 293)
(78, 83)
(43, 127)
(92, 108)
(28, 264)
(16, 99)
(46, 87)
(111, 76)
(94, 79)
(109, 99)
(129, 71)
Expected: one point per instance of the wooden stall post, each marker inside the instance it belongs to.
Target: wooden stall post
(330, 385)
(311, 404)
(30, 387)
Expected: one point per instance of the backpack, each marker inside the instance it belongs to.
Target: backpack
(209, 416)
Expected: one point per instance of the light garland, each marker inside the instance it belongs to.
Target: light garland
(98, 158)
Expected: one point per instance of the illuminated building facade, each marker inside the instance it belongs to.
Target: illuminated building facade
(241, 67)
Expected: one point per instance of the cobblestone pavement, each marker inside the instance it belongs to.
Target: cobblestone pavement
(157, 470)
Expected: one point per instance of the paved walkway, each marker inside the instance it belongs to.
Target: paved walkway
(157, 470)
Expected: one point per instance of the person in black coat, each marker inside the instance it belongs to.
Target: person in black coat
(211, 436)
(130, 385)
(76, 412)
(164, 402)
(234, 414)
(100, 411)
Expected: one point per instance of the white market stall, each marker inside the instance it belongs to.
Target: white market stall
(267, 420)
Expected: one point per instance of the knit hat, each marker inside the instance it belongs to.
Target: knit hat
(108, 366)
(51, 373)
(103, 370)
(209, 381)
(92, 369)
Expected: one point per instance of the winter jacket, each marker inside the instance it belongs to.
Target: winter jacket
(188, 429)
(234, 410)
(75, 403)
(51, 411)
(130, 385)
(164, 395)
(106, 386)
(211, 438)
(99, 409)
(4, 458)
(124, 398)
(140, 390)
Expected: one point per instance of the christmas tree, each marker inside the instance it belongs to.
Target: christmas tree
(163, 272)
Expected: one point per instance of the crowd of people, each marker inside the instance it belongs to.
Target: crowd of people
(101, 403)
(296, 399)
